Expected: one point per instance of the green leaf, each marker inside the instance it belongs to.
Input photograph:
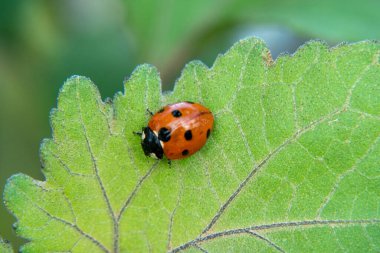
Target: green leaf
(5, 246)
(293, 160)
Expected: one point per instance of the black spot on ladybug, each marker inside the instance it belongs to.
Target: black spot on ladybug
(185, 152)
(189, 102)
(161, 110)
(188, 135)
(208, 132)
(176, 113)
(164, 134)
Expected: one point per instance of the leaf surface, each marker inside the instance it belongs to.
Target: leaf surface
(5, 247)
(293, 160)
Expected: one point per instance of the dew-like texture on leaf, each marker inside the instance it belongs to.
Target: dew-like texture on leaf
(292, 164)
(5, 247)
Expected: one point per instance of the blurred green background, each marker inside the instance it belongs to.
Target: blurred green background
(43, 42)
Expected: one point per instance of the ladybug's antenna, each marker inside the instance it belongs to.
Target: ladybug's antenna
(150, 112)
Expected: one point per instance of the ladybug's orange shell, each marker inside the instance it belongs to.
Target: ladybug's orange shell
(192, 117)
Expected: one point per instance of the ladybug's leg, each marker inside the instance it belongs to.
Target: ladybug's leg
(150, 112)
(137, 133)
(170, 163)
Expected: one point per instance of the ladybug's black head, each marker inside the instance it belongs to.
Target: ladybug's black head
(151, 144)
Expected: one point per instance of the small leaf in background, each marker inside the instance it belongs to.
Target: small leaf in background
(292, 164)
(182, 30)
(332, 20)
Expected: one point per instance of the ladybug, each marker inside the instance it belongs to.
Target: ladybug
(177, 131)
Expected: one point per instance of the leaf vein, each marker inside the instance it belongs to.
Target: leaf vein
(294, 137)
(74, 226)
(270, 227)
(67, 168)
(272, 244)
(209, 181)
(96, 170)
(343, 175)
(134, 192)
(244, 136)
(171, 222)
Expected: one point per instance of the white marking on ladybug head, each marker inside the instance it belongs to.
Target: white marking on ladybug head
(162, 144)
(143, 135)
(153, 155)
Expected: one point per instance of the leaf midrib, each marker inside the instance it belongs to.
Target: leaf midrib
(280, 225)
